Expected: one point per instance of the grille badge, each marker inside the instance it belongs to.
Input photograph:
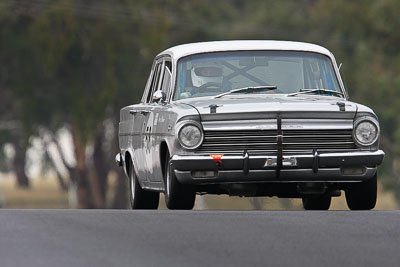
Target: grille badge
(217, 159)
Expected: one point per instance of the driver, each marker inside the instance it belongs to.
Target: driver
(206, 79)
(204, 73)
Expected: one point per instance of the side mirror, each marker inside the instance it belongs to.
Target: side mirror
(159, 97)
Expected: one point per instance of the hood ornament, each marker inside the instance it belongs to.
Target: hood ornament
(342, 106)
(213, 108)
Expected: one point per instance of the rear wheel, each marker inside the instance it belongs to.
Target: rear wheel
(362, 196)
(177, 196)
(320, 202)
(141, 199)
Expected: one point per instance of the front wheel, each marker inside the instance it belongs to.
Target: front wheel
(177, 196)
(320, 202)
(362, 196)
(141, 199)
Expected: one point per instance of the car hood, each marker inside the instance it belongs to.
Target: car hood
(252, 107)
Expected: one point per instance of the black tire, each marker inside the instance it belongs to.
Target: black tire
(320, 202)
(362, 196)
(139, 198)
(177, 196)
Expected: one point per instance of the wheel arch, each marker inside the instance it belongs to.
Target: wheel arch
(164, 149)
(128, 166)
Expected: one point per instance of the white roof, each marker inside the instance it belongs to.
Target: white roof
(218, 46)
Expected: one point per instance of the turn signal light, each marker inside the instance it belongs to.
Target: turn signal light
(353, 170)
(204, 174)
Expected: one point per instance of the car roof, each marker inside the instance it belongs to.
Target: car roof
(180, 51)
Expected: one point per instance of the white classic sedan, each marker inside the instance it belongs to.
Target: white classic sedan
(248, 118)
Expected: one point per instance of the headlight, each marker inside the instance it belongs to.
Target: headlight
(366, 131)
(190, 135)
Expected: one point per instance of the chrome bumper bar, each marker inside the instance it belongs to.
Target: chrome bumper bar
(324, 167)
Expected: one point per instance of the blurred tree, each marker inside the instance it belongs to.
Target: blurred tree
(13, 129)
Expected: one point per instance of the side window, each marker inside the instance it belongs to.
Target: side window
(168, 65)
(154, 82)
(166, 78)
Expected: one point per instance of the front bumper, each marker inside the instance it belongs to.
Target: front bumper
(314, 167)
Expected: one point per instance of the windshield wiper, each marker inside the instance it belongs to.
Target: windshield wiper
(306, 91)
(250, 88)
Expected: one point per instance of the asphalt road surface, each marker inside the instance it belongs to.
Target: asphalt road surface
(199, 238)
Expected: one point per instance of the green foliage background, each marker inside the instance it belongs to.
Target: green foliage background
(77, 62)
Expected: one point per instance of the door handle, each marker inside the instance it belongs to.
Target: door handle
(144, 112)
(133, 112)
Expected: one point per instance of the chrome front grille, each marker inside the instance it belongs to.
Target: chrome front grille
(322, 140)
(238, 141)
(265, 141)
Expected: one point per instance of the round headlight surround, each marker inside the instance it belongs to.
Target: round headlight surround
(358, 123)
(184, 126)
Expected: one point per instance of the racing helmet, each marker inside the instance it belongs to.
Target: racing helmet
(203, 73)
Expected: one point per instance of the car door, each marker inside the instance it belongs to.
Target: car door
(161, 122)
(147, 122)
(139, 116)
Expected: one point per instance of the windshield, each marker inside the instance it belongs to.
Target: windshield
(213, 74)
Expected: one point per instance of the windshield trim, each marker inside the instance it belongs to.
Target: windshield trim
(330, 57)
